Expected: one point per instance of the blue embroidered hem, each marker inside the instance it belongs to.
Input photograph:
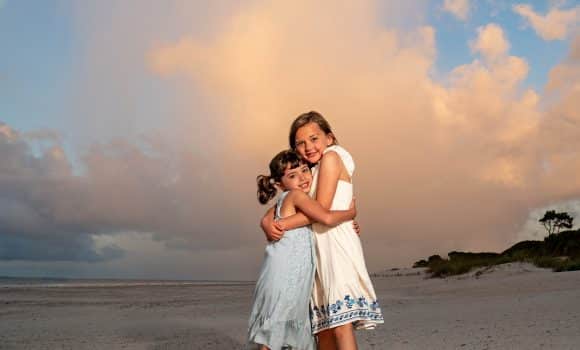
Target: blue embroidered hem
(357, 311)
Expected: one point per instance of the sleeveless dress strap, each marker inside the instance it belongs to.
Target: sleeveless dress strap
(279, 204)
(344, 155)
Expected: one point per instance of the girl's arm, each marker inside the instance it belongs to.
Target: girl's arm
(299, 220)
(314, 210)
(295, 221)
(272, 229)
(330, 167)
(328, 175)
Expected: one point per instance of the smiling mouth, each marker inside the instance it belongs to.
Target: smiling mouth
(305, 185)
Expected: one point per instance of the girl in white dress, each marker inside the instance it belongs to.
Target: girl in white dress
(343, 298)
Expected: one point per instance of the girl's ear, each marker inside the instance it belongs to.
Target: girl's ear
(279, 186)
(330, 136)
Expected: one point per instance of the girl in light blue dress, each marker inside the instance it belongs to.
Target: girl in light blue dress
(280, 316)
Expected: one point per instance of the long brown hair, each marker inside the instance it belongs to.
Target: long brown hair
(266, 183)
(310, 117)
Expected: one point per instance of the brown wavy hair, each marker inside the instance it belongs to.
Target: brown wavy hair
(266, 183)
(310, 117)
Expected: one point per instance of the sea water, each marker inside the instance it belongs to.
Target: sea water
(52, 282)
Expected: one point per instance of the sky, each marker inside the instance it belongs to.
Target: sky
(131, 133)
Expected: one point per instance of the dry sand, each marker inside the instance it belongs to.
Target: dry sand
(513, 306)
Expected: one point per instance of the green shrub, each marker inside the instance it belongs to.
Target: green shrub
(525, 250)
(420, 263)
(460, 265)
(565, 243)
(545, 254)
(571, 265)
(557, 264)
(546, 262)
(433, 259)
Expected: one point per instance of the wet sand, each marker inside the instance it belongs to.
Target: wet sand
(513, 306)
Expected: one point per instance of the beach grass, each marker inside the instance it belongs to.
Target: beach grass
(559, 252)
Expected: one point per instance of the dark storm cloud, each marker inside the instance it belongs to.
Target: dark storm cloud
(55, 248)
(49, 213)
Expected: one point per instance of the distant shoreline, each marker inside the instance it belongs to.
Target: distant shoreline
(64, 282)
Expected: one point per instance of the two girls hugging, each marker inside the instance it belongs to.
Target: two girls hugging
(313, 282)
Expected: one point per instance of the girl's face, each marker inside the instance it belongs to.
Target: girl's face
(298, 178)
(311, 141)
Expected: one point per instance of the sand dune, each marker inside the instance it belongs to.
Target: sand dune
(512, 306)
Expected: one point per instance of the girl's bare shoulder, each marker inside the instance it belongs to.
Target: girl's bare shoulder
(331, 159)
(337, 156)
(295, 194)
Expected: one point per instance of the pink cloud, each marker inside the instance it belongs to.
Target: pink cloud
(459, 8)
(554, 25)
(451, 164)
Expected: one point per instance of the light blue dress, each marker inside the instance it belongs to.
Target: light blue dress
(280, 316)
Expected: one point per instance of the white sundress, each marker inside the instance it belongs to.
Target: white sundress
(343, 292)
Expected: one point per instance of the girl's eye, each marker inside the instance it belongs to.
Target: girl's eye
(314, 139)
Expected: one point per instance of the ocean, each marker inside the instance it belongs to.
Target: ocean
(52, 282)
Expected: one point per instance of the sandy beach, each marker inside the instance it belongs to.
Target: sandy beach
(513, 306)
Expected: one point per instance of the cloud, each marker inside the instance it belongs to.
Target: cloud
(561, 124)
(555, 25)
(77, 248)
(458, 8)
(28, 228)
(532, 229)
(463, 152)
(485, 100)
(450, 164)
(49, 213)
(490, 42)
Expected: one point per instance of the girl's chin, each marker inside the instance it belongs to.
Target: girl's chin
(313, 160)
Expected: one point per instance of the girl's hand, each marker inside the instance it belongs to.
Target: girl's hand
(356, 227)
(354, 222)
(272, 229)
